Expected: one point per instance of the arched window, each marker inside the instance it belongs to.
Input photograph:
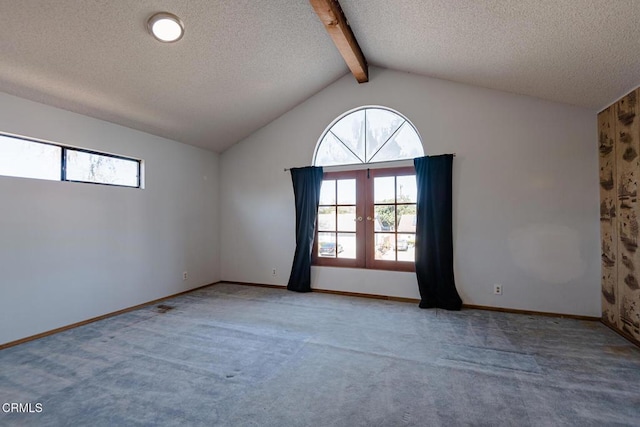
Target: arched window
(368, 135)
(366, 218)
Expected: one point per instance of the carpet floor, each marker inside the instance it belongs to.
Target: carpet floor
(245, 356)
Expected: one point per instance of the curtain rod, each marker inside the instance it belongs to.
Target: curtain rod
(288, 169)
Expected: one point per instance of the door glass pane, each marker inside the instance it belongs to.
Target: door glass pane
(350, 131)
(346, 218)
(384, 189)
(385, 246)
(347, 245)
(327, 245)
(406, 247)
(328, 192)
(89, 167)
(29, 159)
(385, 217)
(327, 218)
(406, 215)
(406, 189)
(347, 192)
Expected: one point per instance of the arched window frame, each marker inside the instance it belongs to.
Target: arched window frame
(375, 247)
(329, 128)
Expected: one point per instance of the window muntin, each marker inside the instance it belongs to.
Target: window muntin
(368, 135)
(27, 158)
(366, 219)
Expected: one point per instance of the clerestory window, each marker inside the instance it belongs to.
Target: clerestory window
(31, 158)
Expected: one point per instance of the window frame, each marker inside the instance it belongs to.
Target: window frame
(365, 108)
(365, 229)
(64, 149)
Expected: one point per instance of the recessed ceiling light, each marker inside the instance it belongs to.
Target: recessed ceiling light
(165, 27)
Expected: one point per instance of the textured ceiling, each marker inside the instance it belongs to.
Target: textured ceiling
(580, 52)
(242, 63)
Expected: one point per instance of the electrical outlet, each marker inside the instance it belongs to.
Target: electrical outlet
(273, 271)
(497, 289)
(185, 275)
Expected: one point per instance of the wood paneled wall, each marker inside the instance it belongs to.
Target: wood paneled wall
(619, 153)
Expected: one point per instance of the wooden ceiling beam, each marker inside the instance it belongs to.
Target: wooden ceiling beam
(336, 24)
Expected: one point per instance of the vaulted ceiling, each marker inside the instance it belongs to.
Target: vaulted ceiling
(243, 63)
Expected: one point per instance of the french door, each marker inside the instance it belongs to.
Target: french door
(366, 219)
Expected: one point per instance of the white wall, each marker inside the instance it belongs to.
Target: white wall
(525, 193)
(71, 251)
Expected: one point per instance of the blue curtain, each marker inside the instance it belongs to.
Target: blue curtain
(306, 189)
(434, 233)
